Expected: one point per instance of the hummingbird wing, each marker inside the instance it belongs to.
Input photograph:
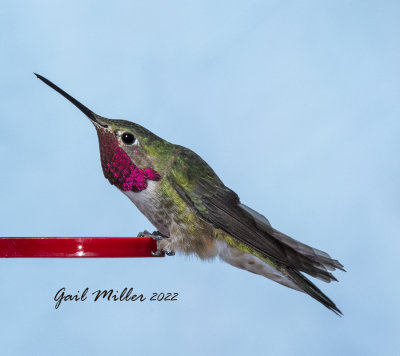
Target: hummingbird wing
(200, 187)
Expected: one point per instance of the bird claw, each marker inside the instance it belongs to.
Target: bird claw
(159, 252)
(156, 235)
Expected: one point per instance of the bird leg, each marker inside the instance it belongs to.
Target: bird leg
(158, 236)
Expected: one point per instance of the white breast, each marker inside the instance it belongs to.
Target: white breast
(147, 201)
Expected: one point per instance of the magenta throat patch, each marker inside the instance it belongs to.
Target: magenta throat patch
(118, 167)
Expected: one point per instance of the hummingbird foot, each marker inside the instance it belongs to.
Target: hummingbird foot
(156, 235)
(160, 251)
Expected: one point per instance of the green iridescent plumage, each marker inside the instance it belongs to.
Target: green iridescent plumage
(200, 215)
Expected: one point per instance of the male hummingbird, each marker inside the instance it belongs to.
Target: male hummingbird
(195, 213)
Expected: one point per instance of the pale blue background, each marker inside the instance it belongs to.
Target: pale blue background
(294, 104)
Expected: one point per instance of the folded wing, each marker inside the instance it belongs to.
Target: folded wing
(199, 186)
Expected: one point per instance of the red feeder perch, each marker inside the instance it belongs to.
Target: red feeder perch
(77, 247)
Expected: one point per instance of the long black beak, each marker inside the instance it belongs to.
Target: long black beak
(89, 113)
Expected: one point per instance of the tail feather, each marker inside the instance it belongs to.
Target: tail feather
(315, 262)
(311, 289)
(298, 255)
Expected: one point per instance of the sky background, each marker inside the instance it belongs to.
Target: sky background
(294, 104)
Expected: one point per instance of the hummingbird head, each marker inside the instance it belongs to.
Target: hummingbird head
(130, 154)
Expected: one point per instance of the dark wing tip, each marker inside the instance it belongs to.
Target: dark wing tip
(332, 306)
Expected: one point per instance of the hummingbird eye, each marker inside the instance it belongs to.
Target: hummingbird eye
(128, 138)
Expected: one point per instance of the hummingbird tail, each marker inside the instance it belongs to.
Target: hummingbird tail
(311, 289)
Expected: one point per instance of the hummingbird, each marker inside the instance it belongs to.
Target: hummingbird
(195, 213)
